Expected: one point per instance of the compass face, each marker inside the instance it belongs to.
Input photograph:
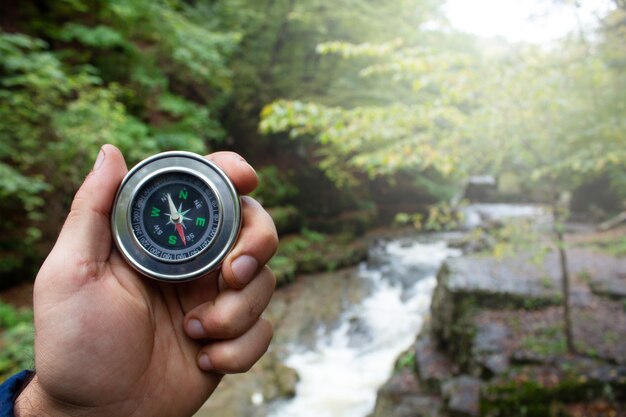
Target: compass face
(178, 230)
(175, 216)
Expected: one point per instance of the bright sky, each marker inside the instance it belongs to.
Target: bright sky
(536, 21)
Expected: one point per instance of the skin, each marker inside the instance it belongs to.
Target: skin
(111, 342)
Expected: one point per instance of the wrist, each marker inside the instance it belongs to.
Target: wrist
(33, 401)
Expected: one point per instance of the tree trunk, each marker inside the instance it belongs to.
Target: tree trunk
(558, 219)
(565, 286)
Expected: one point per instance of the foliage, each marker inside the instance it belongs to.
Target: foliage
(118, 72)
(284, 268)
(16, 340)
(316, 252)
(440, 217)
(520, 235)
(274, 188)
(523, 110)
(286, 218)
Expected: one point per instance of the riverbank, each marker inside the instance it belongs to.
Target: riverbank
(494, 345)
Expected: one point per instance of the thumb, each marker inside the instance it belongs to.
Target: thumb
(86, 234)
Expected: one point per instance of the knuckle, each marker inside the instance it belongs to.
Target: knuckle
(221, 322)
(228, 359)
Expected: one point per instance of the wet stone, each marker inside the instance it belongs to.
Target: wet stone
(607, 273)
(610, 287)
(402, 396)
(489, 348)
(515, 278)
(431, 364)
(462, 396)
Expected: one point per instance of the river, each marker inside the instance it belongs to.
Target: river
(341, 373)
(342, 331)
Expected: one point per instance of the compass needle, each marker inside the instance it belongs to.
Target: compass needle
(173, 212)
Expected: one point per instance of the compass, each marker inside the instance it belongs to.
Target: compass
(176, 216)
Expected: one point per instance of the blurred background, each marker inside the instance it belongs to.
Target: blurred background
(448, 179)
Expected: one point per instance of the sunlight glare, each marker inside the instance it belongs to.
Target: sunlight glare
(532, 21)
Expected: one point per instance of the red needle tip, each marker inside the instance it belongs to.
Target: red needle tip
(181, 233)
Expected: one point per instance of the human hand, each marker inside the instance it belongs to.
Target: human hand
(111, 342)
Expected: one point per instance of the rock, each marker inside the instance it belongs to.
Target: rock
(514, 280)
(489, 348)
(541, 389)
(467, 283)
(607, 274)
(250, 393)
(613, 287)
(481, 188)
(431, 365)
(280, 380)
(402, 396)
(462, 396)
(286, 379)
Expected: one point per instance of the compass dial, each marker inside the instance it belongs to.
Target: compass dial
(176, 216)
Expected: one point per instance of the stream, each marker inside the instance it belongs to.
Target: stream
(341, 373)
(342, 331)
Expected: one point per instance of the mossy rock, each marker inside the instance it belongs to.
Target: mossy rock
(316, 252)
(542, 391)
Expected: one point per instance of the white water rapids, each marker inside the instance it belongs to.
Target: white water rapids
(340, 376)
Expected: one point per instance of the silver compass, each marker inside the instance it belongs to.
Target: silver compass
(176, 216)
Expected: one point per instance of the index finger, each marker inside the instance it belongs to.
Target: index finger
(241, 173)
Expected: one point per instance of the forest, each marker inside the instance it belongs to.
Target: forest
(359, 116)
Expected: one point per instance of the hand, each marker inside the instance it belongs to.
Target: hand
(111, 342)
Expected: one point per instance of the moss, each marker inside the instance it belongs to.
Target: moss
(316, 252)
(523, 394)
(406, 360)
(548, 342)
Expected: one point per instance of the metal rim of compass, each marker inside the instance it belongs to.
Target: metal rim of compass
(208, 258)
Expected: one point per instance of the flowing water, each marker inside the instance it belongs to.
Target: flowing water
(340, 375)
(342, 331)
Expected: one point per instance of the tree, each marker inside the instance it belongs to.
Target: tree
(554, 117)
(146, 76)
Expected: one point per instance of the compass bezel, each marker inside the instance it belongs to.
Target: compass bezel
(201, 263)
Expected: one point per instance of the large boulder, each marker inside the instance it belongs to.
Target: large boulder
(467, 283)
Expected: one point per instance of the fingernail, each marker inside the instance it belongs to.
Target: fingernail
(99, 159)
(195, 329)
(205, 363)
(244, 268)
